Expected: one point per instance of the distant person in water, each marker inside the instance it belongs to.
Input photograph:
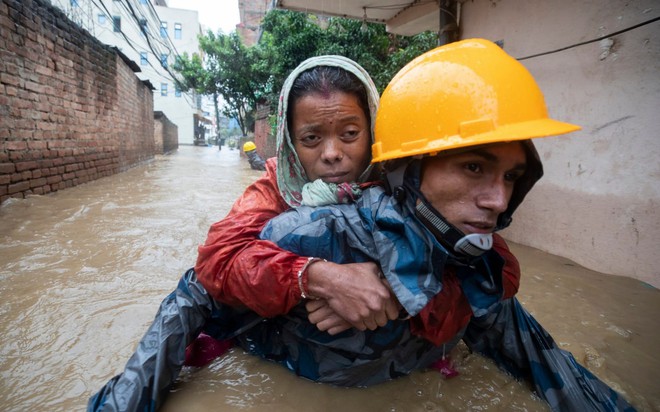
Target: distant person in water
(256, 162)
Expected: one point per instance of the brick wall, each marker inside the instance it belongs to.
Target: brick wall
(251, 12)
(71, 109)
(263, 138)
(166, 134)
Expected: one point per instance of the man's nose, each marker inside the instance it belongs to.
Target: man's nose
(495, 197)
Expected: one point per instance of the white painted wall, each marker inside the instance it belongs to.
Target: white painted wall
(598, 201)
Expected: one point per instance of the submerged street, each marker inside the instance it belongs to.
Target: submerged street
(83, 271)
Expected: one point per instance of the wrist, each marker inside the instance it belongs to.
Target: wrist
(303, 277)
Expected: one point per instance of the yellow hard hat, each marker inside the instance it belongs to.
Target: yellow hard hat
(458, 95)
(248, 146)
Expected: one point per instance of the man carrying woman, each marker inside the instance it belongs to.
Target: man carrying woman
(453, 134)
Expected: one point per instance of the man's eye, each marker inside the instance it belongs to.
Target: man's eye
(473, 167)
(513, 176)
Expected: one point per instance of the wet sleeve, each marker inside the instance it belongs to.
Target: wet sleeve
(520, 345)
(239, 269)
(333, 232)
(511, 270)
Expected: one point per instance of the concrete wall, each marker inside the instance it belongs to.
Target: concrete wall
(598, 201)
(182, 108)
(71, 109)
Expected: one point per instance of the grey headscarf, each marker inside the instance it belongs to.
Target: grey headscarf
(291, 178)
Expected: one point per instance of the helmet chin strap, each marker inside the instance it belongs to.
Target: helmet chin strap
(472, 245)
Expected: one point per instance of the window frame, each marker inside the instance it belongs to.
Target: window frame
(116, 24)
(163, 29)
(178, 31)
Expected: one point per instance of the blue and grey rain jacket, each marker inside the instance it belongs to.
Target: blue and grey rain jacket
(378, 228)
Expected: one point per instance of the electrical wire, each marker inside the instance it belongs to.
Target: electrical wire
(616, 33)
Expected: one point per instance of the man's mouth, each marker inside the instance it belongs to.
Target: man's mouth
(479, 227)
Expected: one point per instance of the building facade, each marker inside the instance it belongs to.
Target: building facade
(252, 12)
(151, 34)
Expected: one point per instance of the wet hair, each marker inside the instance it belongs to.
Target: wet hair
(326, 80)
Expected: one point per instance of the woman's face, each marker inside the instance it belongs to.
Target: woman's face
(331, 135)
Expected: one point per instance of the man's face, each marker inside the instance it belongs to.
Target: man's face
(331, 136)
(471, 188)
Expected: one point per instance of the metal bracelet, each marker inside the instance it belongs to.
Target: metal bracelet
(302, 270)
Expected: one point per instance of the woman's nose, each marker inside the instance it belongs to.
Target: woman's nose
(331, 151)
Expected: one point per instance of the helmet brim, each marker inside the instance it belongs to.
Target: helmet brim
(507, 133)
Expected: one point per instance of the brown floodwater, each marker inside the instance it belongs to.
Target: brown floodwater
(83, 271)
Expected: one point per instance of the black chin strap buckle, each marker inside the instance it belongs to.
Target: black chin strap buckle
(399, 194)
(472, 245)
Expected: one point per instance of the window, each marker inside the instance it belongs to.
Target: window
(74, 3)
(163, 29)
(143, 58)
(163, 89)
(116, 24)
(101, 18)
(177, 31)
(143, 26)
(177, 91)
(143, 2)
(163, 60)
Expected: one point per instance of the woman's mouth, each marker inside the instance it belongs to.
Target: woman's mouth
(334, 177)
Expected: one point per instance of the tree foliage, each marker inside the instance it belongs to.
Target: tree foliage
(228, 70)
(244, 76)
(291, 37)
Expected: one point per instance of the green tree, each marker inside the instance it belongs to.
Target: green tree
(194, 76)
(228, 70)
(290, 37)
(244, 76)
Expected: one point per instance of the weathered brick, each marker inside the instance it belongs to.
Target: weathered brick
(21, 166)
(18, 187)
(37, 182)
(7, 168)
(10, 79)
(16, 145)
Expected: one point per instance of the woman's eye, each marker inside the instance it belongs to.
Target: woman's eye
(309, 140)
(351, 134)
